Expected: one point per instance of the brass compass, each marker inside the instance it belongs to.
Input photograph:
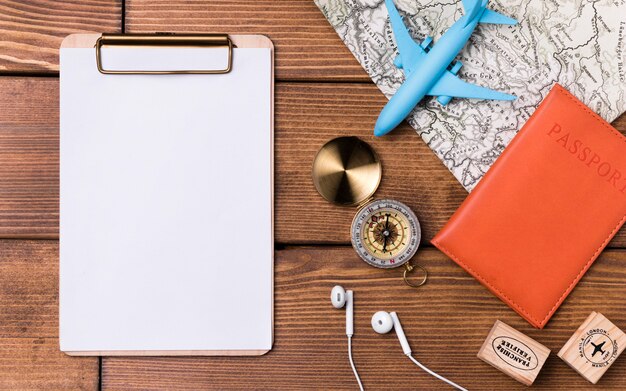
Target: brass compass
(385, 233)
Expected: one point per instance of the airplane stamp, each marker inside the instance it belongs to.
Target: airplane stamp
(594, 347)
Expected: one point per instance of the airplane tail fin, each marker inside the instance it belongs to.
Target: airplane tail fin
(473, 7)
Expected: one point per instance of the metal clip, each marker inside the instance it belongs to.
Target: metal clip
(164, 39)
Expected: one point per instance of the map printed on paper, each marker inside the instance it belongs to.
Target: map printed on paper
(580, 44)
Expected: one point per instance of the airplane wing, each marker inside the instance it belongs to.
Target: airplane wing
(410, 51)
(494, 17)
(473, 6)
(450, 85)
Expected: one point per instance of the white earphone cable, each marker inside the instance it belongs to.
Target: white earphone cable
(435, 374)
(352, 363)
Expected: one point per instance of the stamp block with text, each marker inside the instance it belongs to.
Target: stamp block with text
(594, 347)
(513, 353)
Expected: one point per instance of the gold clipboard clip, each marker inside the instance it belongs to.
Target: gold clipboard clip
(164, 39)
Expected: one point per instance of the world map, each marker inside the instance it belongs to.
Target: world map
(578, 44)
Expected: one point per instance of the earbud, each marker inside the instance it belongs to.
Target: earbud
(383, 322)
(340, 297)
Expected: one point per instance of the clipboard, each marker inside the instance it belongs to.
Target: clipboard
(166, 195)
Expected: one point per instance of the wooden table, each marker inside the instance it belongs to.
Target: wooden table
(321, 92)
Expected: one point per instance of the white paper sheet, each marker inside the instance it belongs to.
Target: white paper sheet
(166, 230)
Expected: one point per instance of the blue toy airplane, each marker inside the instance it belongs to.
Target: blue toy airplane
(429, 70)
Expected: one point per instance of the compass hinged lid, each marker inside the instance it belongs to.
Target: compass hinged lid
(346, 171)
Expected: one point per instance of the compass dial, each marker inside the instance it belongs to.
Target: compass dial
(385, 233)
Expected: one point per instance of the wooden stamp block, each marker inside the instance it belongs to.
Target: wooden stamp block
(513, 353)
(593, 347)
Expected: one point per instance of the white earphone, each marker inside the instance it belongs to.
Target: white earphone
(340, 298)
(383, 322)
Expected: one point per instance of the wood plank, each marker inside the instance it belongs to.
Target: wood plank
(29, 348)
(29, 157)
(32, 30)
(446, 322)
(307, 115)
(307, 47)
(29, 274)
(38, 364)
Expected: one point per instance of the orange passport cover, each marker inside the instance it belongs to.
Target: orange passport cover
(545, 210)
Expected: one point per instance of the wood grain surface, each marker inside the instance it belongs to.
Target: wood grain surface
(29, 347)
(29, 157)
(307, 115)
(446, 322)
(31, 31)
(307, 47)
(322, 92)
